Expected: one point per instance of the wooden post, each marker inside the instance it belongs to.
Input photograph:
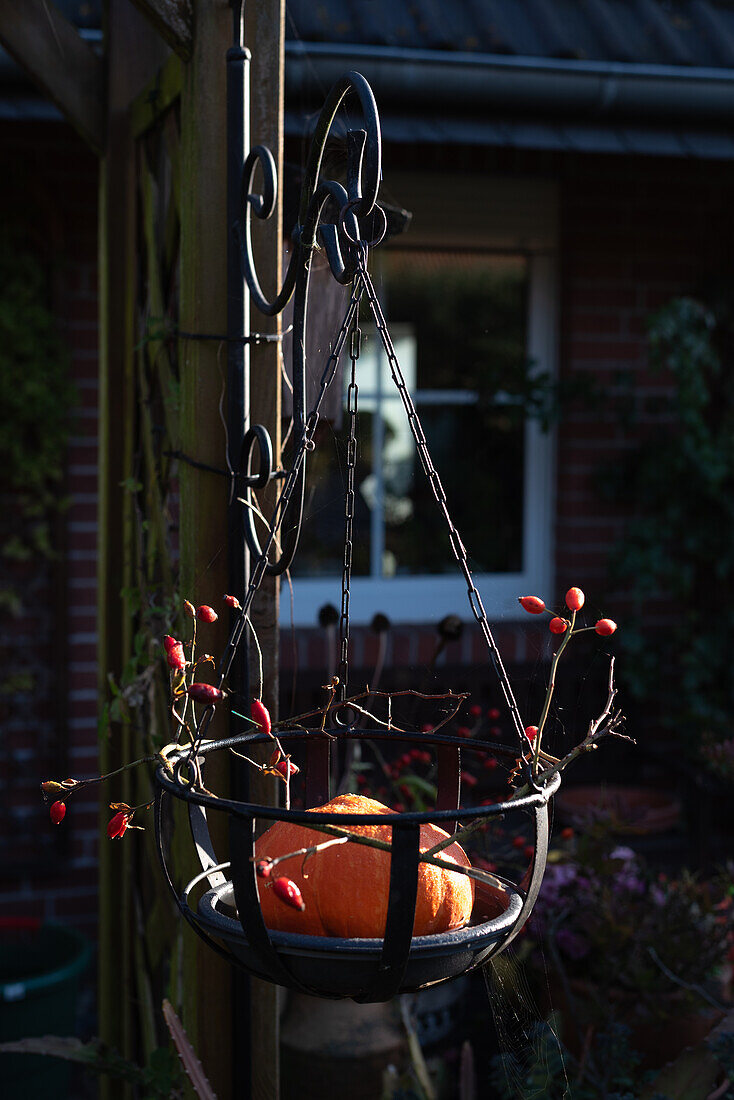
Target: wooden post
(265, 36)
(203, 527)
(134, 52)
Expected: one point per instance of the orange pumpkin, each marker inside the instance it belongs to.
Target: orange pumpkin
(345, 887)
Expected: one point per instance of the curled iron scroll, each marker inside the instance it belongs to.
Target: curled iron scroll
(339, 240)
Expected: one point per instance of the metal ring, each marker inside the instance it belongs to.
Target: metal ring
(190, 765)
(341, 722)
(346, 210)
(256, 434)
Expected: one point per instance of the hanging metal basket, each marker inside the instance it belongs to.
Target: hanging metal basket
(221, 902)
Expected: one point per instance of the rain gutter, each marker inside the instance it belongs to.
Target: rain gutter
(476, 83)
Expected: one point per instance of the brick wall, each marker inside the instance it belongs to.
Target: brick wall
(53, 191)
(635, 232)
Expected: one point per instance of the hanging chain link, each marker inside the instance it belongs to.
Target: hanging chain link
(281, 507)
(457, 546)
(363, 284)
(355, 347)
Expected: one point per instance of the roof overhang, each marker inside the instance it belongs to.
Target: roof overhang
(487, 99)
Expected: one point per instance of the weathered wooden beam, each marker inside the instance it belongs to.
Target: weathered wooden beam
(134, 52)
(203, 525)
(157, 96)
(56, 57)
(174, 21)
(264, 35)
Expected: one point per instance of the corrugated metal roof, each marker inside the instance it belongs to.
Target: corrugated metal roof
(680, 35)
(617, 76)
(657, 32)
(663, 32)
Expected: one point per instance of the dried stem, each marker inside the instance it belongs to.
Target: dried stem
(606, 724)
(460, 834)
(550, 690)
(301, 851)
(323, 712)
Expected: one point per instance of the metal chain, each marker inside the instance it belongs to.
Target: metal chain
(355, 347)
(281, 506)
(457, 546)
(363, 284)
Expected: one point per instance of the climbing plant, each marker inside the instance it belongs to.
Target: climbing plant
(36, 397)
(677, 554)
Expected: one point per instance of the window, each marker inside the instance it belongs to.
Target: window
(472, 328)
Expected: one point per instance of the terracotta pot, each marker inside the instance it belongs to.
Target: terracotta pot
(640, 810)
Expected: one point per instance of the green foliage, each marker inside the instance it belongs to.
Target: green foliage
(722, 1048)
(631, 938)
(35, 391)
(35, 401)
(678, 487)
(161, 1079)
(610, 1071)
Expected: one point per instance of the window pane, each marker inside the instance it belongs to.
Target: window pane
(458, 322)
(468, 315)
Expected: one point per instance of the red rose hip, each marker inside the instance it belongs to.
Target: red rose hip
(289, 893)
(206, 614)
(532, 604)
(260, 715)
(57, 812)
(286, 768)
(117, 826)
(176, 657)
(605, 627)
(575, 599)
(205, 693)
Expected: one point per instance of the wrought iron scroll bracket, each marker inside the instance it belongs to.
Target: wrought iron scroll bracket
(358, 223)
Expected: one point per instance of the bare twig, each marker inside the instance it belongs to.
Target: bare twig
(607, 724)
(322, 713)
(549, 692)
(459, 835)
(692, 987)
(308, 851)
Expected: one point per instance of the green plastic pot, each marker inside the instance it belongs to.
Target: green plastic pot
(40, 968)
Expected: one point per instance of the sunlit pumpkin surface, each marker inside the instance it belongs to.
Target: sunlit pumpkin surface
(345, 887)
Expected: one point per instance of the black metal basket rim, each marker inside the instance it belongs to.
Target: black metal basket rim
(539, 797)
(472, 744)
(336, 947)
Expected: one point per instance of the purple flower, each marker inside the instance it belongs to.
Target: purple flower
(557, 877)
(629, 883)
(658, 895)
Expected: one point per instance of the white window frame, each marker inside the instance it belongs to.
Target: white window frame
(427, 599)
